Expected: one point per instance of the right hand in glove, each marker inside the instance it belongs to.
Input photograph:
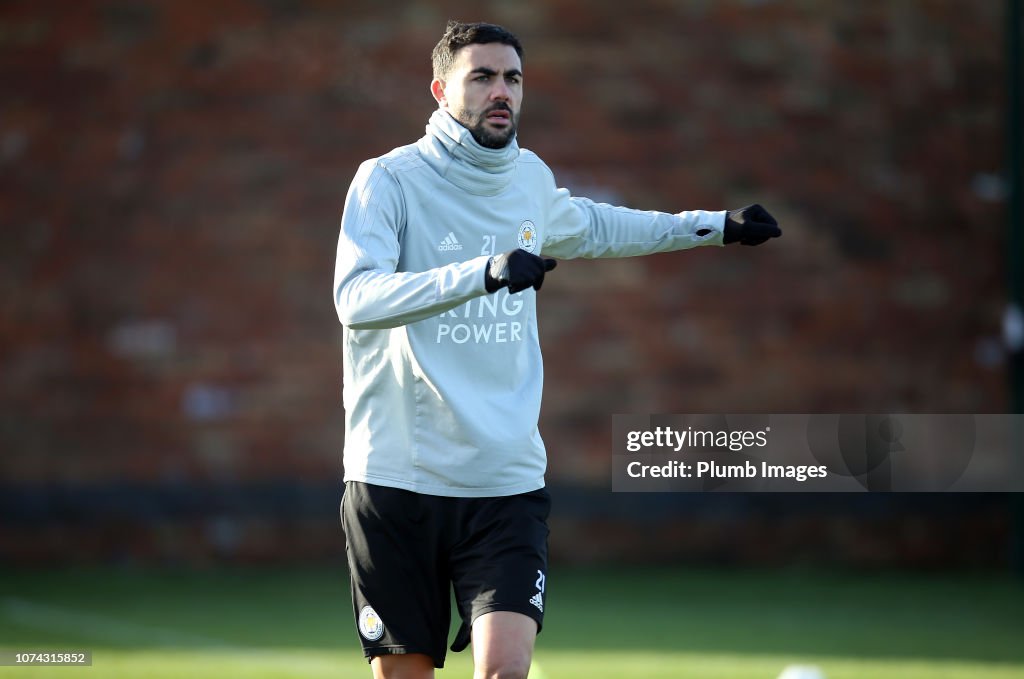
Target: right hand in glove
(518, 270)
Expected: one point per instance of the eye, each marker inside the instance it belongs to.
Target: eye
(482, 78)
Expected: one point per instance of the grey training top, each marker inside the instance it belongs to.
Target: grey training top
(442, 381)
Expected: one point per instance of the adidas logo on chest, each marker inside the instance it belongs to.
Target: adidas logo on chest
(449, 243)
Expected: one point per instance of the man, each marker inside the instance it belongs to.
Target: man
(438, 267)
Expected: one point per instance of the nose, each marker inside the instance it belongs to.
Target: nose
(500, 91)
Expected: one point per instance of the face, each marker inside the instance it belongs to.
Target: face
(484, 92)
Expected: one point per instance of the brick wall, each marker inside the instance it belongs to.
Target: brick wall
(172, 176)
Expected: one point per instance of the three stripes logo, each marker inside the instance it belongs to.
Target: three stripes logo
(449, 243)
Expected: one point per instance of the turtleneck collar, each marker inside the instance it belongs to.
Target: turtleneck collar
(450, 149)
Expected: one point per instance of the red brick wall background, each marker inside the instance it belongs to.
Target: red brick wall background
(172, 176)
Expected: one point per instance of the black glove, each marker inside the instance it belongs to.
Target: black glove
(751, 225)
(517, 269)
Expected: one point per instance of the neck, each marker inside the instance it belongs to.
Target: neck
(451, 149)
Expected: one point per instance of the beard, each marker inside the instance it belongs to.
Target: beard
(489, 138)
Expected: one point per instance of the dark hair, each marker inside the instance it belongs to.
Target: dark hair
(458, 34)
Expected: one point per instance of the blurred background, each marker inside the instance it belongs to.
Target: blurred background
(171, 182)
(172, 176)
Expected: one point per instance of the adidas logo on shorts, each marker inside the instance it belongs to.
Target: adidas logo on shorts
(538, 601)
(449, 243)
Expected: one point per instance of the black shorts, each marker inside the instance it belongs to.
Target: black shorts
(406, 551)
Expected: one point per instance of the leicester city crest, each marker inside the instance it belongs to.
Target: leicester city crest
(370, 624)
(527, 236)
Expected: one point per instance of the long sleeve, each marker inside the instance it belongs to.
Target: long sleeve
(579, 227)
(369, 291)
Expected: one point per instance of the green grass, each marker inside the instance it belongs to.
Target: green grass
(621, 623)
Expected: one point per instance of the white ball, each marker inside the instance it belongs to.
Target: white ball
(802, 672)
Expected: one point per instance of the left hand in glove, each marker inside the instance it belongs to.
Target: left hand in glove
(751, 225)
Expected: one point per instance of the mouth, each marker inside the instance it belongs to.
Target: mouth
(499, 117)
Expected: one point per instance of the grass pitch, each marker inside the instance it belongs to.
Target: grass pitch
(612, 623)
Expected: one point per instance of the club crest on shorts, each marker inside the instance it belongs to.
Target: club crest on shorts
(527, 236)
(370, 624)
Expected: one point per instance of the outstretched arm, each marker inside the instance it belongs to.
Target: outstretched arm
(579, 227)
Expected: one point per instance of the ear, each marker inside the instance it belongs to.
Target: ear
(437, 89)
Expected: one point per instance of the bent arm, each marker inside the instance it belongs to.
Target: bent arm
(369, 291)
